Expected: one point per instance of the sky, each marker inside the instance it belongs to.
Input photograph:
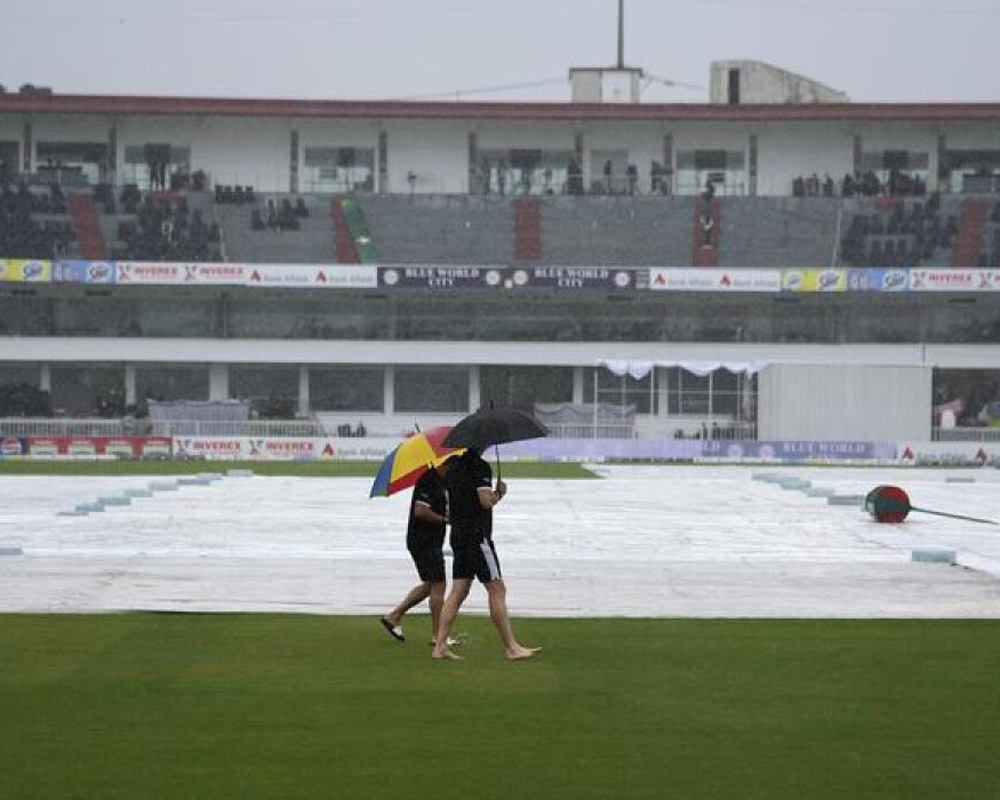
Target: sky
(488, 50)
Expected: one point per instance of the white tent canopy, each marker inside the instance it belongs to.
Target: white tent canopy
(640, 369)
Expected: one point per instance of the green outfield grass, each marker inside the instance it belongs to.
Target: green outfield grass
(174, 706)
(305, 469)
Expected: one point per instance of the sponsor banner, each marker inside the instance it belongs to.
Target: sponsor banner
(654, 449)
(948, 453)
(311, 276)
(13, 446)
(878, 280)
(287, 448)
(814, 280)
(801, 451)
(444, 277)
(149, 273)
(25, 271)
(91, 446)
(84, 272)
(953, 279)
(214, 273)
(576, 278)
(700, 279)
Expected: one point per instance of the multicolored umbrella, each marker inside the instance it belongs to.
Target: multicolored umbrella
(403, 466)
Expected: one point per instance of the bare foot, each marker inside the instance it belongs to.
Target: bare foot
(445, 654)
(520, 653)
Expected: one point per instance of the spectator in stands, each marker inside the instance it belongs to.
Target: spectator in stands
(608, 171)
(828, 189)
(632, 173)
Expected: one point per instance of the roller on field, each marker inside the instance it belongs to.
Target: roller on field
(892, 504)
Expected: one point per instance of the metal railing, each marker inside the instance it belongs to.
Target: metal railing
(564, 430)
(22, 427)
(965, 434)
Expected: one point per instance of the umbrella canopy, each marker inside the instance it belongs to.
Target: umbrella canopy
(490, 426)
(403, 466)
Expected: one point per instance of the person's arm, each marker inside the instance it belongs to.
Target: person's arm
(490, 497)
(424, 513)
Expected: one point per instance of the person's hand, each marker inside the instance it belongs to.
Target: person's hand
(501, 488)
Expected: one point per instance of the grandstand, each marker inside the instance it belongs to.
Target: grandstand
(300, 241)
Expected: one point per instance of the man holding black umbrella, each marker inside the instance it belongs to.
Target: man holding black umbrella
(471, 501)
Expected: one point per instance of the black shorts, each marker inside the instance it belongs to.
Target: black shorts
(476, 559)
(429, 561)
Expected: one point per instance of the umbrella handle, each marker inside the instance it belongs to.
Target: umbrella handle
(496, 448)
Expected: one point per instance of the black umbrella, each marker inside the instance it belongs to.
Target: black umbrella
(493, 426)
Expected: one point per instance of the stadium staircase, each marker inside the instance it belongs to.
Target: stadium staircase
(527, 231)
(968, 240)
(346, 252)
(353, 215)
(90, 240)
(705, 247)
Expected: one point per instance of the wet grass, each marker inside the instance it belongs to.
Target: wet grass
(255, 706)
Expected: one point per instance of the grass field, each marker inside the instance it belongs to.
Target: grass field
(173, 706)
(304, 469)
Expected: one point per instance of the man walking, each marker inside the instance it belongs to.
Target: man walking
(425, 540)
(471, 501)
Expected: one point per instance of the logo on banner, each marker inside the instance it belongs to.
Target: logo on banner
(11, 446)
(99, 272)
(33, 271)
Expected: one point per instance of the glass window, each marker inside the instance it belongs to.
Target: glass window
(14, 373)
(263, 382)
(91, 316)
(724, 169)
(339, 169)
(162, 382)
(192, 316)
(72, 162)
(522, 387)
(431, 389)
(526, 172)
(346, 389)
(142, 159)
(621, 391)
(92, 390)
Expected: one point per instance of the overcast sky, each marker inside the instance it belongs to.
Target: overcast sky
(875, 50)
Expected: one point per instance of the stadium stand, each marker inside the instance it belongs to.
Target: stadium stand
(969, 237)
(895, 232)
(33, 222)
(300, 230)
(441, 229)
(160, 226)
(616, 231)
(778, 232)
(357, 230)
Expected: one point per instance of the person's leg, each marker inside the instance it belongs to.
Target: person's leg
(497, 593)
(459, 591)
(416, 595)
(436, 602)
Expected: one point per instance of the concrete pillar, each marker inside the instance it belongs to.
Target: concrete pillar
(293, 162)
(304, 391)
(475, 389)
(27, 148)
(752, 188)
(45, 378)
(389, 389)
(383, 163)
(111, 174)
(130, 390)
(578, 386)
(218, 382)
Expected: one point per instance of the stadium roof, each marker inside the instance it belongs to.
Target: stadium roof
(35, 103)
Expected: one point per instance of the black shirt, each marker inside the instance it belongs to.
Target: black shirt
(430, 491)
(469, 520)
